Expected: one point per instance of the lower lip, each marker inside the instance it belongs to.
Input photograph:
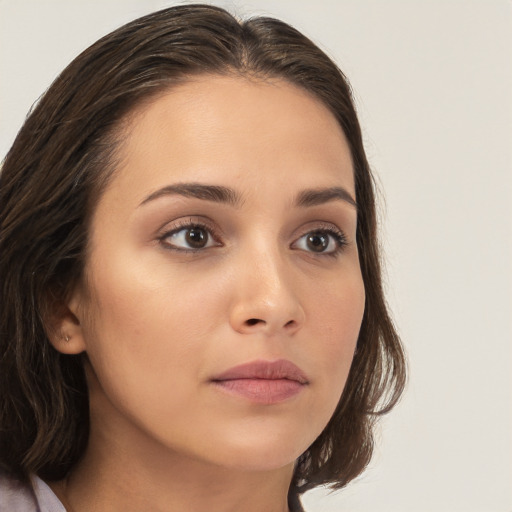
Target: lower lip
(262, 391)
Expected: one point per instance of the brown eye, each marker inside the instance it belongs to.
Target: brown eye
(321, 241)
(196, 237)
(317, 242)
(193, 237)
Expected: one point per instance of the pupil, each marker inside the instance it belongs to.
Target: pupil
(196, 237)
(317, 242)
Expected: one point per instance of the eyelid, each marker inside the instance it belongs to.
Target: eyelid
(324, 227)
(182, 224)
(171, 228)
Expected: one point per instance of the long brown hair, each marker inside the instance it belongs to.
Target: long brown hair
(56, 169)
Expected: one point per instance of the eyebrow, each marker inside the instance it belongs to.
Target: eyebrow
(226, 195)
(318, 196)
(215, 193)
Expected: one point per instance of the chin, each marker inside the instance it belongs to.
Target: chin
(259, 462)
(261, 453)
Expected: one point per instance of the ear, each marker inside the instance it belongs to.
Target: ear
(64, 329)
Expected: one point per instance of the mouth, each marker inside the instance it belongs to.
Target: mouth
(263, 382)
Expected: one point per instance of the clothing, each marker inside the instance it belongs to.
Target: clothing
(294, 503)
(32, 496)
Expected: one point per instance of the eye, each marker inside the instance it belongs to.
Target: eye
(191, 237)
(321, 241)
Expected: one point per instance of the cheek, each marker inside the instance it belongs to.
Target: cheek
(146, 328)
(337, 317)
(151, 300)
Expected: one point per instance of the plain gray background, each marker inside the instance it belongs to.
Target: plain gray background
(433, 86)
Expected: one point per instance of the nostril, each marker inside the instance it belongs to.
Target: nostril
(253, 321)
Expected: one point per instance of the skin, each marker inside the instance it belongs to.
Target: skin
(158, 320)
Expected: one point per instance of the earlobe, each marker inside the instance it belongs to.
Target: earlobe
(65, 330)
(67, 344)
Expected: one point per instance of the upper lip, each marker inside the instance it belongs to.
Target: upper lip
(269, 370)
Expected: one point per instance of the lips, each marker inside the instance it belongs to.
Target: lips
(263, 382)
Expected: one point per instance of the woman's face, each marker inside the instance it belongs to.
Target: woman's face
(224, 295)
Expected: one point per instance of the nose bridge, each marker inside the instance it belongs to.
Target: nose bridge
(266, 297)
(270, 279)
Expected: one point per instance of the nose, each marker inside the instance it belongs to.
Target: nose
(265, 300)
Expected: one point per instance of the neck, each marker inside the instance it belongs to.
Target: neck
(187, 488)
(121, 474)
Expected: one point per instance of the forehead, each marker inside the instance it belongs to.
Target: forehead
(224, 130)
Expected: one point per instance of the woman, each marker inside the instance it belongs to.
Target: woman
(193, 316)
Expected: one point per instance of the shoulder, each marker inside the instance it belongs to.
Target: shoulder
(32, 495)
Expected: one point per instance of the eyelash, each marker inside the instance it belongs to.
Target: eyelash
(188, 225)
(334, 233)
(339, 238)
